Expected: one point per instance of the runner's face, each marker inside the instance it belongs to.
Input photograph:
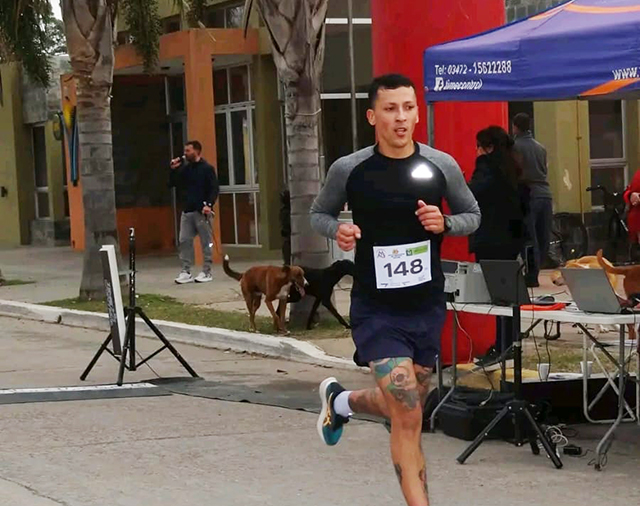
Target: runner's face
(394, 117)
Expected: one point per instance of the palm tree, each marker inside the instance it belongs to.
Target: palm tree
(297, 32)
(89, 29)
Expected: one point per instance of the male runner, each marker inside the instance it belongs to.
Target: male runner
(395, 191)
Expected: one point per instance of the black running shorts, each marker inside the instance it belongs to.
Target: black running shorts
(381, 332)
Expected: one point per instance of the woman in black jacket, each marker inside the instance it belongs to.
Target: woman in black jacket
(502, 201)
(495, 184)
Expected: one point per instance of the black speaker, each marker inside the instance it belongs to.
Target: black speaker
(469, 411)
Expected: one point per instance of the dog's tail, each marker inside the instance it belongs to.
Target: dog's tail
(609, 267)
(229, 271)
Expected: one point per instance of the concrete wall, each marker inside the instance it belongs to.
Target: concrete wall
(17, 207)
(38, 103)
(39, 106)
(563, 128)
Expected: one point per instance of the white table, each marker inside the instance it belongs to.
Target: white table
(581, 320)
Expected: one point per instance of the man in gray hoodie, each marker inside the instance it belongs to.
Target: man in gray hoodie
(533, 157)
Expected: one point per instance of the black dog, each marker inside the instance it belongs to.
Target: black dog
(321, 283)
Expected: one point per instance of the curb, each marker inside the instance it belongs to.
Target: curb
(209, 337)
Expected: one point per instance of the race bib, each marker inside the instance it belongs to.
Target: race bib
(402, 266)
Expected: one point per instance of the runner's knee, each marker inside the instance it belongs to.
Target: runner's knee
(407, 419)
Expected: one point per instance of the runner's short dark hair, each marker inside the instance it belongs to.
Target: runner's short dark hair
(195, 144)
(522, 121)
(388, 82)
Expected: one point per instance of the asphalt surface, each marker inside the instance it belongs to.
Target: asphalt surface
(184, 450)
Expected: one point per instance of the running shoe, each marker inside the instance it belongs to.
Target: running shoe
(330, 424)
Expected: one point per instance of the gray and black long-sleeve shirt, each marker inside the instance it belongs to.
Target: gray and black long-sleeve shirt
(382, 194)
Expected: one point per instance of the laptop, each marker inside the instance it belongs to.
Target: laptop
(592, 292)
(505, 282)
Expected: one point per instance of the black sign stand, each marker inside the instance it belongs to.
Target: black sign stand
(525, 425)
(127, 357)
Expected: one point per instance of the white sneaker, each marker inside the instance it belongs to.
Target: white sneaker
(204, 277)
(184, 277)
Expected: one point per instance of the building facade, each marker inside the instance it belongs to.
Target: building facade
(33, 196)
(221, 88)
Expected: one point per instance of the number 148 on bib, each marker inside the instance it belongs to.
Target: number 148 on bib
(402, 266)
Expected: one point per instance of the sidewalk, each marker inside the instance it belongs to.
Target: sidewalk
(56, 273)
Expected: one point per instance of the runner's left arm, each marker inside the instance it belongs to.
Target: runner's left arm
(465, 212)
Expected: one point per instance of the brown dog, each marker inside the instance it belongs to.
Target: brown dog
(271, 281)
(587, 262)
(631, 273)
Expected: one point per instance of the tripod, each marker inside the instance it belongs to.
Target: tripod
(127, 356)
(519, 409)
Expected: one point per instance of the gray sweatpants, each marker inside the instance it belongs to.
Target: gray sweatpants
(192, 224)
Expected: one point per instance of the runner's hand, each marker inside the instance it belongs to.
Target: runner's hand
(176, 162)
(635, 198)
(430, 217)
(347, 236)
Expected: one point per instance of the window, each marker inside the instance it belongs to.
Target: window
(337, 127)
(607, 146)
(171, 24)
(235, 141)
(175, 91)
(40, 172)
(339, 9)
(605, 130)
(224, 16)
(335, 76)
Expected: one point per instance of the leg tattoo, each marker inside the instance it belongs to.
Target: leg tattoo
(423, 377)
(402, 386)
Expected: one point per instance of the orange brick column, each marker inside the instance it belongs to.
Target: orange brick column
(198, 73)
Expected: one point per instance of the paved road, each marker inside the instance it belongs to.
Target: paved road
(180, 450)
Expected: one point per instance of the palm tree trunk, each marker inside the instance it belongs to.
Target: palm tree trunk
(297, 32)
(97, 177)
(89, 30)
(302, 109)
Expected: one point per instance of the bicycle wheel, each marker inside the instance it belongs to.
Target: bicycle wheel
(569, 239)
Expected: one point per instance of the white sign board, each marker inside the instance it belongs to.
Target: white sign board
(113, 297)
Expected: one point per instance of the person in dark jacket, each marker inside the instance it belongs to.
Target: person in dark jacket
(533, 158)
(196, 179)
(502, 199)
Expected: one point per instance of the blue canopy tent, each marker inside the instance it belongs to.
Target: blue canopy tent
(582, 49)
(579, 50)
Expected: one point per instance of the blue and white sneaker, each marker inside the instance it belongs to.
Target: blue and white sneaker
(330, 423)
